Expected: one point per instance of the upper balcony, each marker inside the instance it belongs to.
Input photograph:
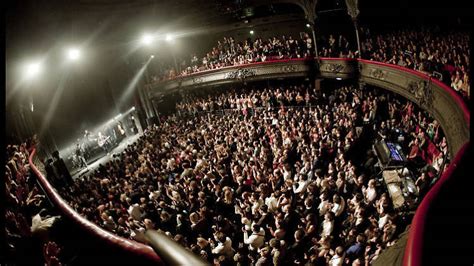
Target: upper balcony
(432, 95)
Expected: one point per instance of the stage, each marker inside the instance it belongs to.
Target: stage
(103, 158)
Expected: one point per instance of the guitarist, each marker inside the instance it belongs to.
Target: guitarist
(103, 142)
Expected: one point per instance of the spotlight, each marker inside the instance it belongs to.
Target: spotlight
(169, 38)
(147, 39)
(338, 78)
(73, 54)
(308, 25)
(133, 108)
(252, 32)
(33, 69)
(152, 56)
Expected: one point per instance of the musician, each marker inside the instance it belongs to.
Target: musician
(103, 142)
(87, 140)
(133, 125)
(120, 132)
(87, 135)
(80, 155)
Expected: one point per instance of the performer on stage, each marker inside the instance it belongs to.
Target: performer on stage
(87, 135)
(120, 132)
(80, 155)
(87, 144)
(103, 142)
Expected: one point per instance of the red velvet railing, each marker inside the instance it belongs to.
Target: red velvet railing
(414, 247)
(122, 243)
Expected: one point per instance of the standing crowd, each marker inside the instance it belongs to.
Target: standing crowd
(277, 179)
(28, 217)
(229, 52)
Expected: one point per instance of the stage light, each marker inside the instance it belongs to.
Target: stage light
(338, 78)
(147, 39)
(308, 25)
(73, 54)
(152, 56)
(169, 37)
(133, 108)
(252, 32)
(33, 69)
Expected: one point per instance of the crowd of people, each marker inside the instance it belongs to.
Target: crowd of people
(276, 180)
(445, 55)
(229, 52)
(28, 217)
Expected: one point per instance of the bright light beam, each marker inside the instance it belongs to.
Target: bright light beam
(133, 83)
(169, 38)
(53, 104)
(33, 70)
(147, 39)
(73, 54)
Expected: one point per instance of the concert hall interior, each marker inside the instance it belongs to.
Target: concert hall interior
(237, 132)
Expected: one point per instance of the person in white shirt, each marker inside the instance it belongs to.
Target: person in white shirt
(135, 211)
(257, 238)
(382, 220)
(272, 203)
(338, 258)
(338, 205)
(328, 224)
(324, 205)
(301, 185)
(438, 162)
(224, 246)
(286, 172)
(370, 193)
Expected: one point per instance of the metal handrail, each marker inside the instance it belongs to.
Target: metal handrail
(171, 251)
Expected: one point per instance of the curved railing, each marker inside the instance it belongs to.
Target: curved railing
(122, 243)
(208, 71)
(253, 71)
(457, 98)
(414, 246)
